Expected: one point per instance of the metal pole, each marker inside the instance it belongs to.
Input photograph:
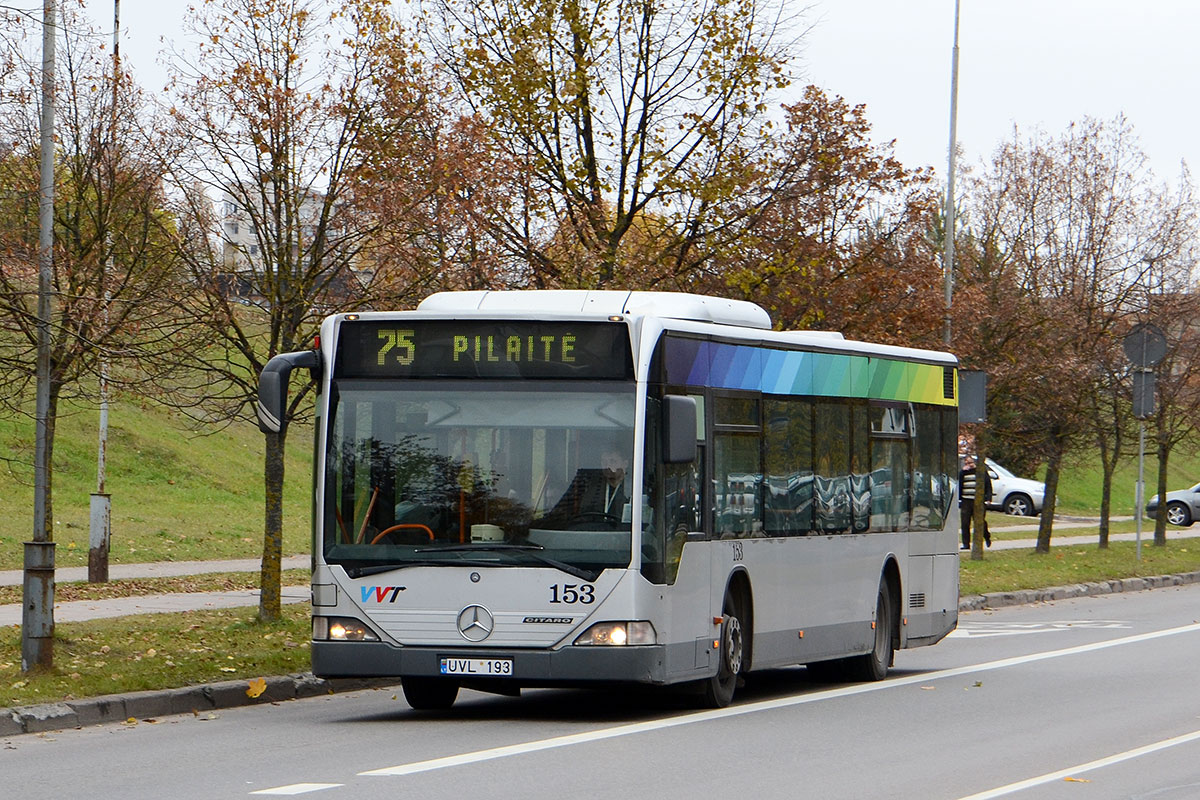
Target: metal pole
(948, 259)
(37, 611)
(1140, 494)
(100, 518)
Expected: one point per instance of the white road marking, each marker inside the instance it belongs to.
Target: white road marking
(298, 788)
(981, 630)
(1063, 774)
(765, 705)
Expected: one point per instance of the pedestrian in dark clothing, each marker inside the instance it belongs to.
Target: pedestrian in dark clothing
(966, 501)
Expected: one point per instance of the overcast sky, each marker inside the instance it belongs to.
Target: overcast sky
(1033, 63)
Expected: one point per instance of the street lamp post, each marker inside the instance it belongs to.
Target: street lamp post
(948, 258)
(37, 609)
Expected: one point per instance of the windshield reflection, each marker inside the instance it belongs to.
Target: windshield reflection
(437, 472)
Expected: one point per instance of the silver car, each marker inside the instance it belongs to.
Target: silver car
(1020, 497)
(1183, 506)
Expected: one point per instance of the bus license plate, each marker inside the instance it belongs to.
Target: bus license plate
(477, 666)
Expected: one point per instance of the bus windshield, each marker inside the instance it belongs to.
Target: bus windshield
(479, 473)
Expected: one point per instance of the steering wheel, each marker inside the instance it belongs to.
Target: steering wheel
(402, 526)
(585, 517)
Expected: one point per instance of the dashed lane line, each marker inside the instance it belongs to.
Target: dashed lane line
(766, 705)
(1079, 769)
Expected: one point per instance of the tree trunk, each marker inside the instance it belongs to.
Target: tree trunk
(269, 602)
(1053, 467)
(1160, 518)
(1105, 502)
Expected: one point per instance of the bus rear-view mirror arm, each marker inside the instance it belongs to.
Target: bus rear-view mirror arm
(679, 429)
(273, 385)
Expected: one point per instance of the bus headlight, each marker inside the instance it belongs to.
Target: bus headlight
(618, 633)
(341, 629)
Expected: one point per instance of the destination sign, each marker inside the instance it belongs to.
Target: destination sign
(483, 349)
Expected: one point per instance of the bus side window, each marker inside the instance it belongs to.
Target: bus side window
(739, 485)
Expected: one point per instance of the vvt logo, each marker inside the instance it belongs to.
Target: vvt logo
(380, 594)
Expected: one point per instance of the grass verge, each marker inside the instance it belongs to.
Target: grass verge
(156, 651)
(1009, 570)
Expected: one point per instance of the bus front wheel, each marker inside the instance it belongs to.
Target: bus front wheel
(718, 690)
(429, 694)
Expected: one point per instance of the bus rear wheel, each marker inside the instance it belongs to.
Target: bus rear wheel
(719, 689)
(873, 665)
(429, 694)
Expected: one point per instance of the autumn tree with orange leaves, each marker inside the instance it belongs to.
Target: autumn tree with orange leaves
(842, 240)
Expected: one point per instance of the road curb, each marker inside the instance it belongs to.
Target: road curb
(1022, 597)
(156, 703)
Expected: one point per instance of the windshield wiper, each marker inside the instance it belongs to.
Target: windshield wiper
(532, 549)
(364, 571)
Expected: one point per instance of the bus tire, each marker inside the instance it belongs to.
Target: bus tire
(731, 653)
(429, 694)
(873, 665)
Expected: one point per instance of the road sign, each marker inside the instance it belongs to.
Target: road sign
(1143, 393)
(1145, 345)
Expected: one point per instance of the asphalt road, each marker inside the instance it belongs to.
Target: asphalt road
(1091, 698)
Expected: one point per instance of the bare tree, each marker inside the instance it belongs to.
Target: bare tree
(1176, 417)
(1074, 222)
(274, 115)
(114, 278)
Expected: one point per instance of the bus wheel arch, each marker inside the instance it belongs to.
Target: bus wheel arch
(890, 578)
(733, 642)
(874, 664)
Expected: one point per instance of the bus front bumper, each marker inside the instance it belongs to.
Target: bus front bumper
(568, 666)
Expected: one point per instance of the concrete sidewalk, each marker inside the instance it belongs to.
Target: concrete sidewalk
(159, 569)
(170, 603)
(1066, 538)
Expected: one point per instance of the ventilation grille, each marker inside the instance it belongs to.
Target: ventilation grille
(948, 383)
(916, 600)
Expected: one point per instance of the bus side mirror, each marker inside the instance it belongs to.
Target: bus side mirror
(273, 385)
(679, 429)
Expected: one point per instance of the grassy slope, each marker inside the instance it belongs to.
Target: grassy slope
(1079, 487)
(176, 495)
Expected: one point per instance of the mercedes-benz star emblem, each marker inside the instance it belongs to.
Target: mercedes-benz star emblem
(475, 623)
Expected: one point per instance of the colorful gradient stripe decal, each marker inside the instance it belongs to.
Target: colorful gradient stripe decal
(731, 366)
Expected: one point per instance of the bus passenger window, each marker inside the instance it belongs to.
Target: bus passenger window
(738, 483)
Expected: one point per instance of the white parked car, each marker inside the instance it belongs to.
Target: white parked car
(1020, 497)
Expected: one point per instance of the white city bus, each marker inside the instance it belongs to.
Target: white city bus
(562, 488)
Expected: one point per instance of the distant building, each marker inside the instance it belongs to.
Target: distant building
(242, 254)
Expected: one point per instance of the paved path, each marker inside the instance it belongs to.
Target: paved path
(160, 569)
(1066, 533)
(175, 602)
